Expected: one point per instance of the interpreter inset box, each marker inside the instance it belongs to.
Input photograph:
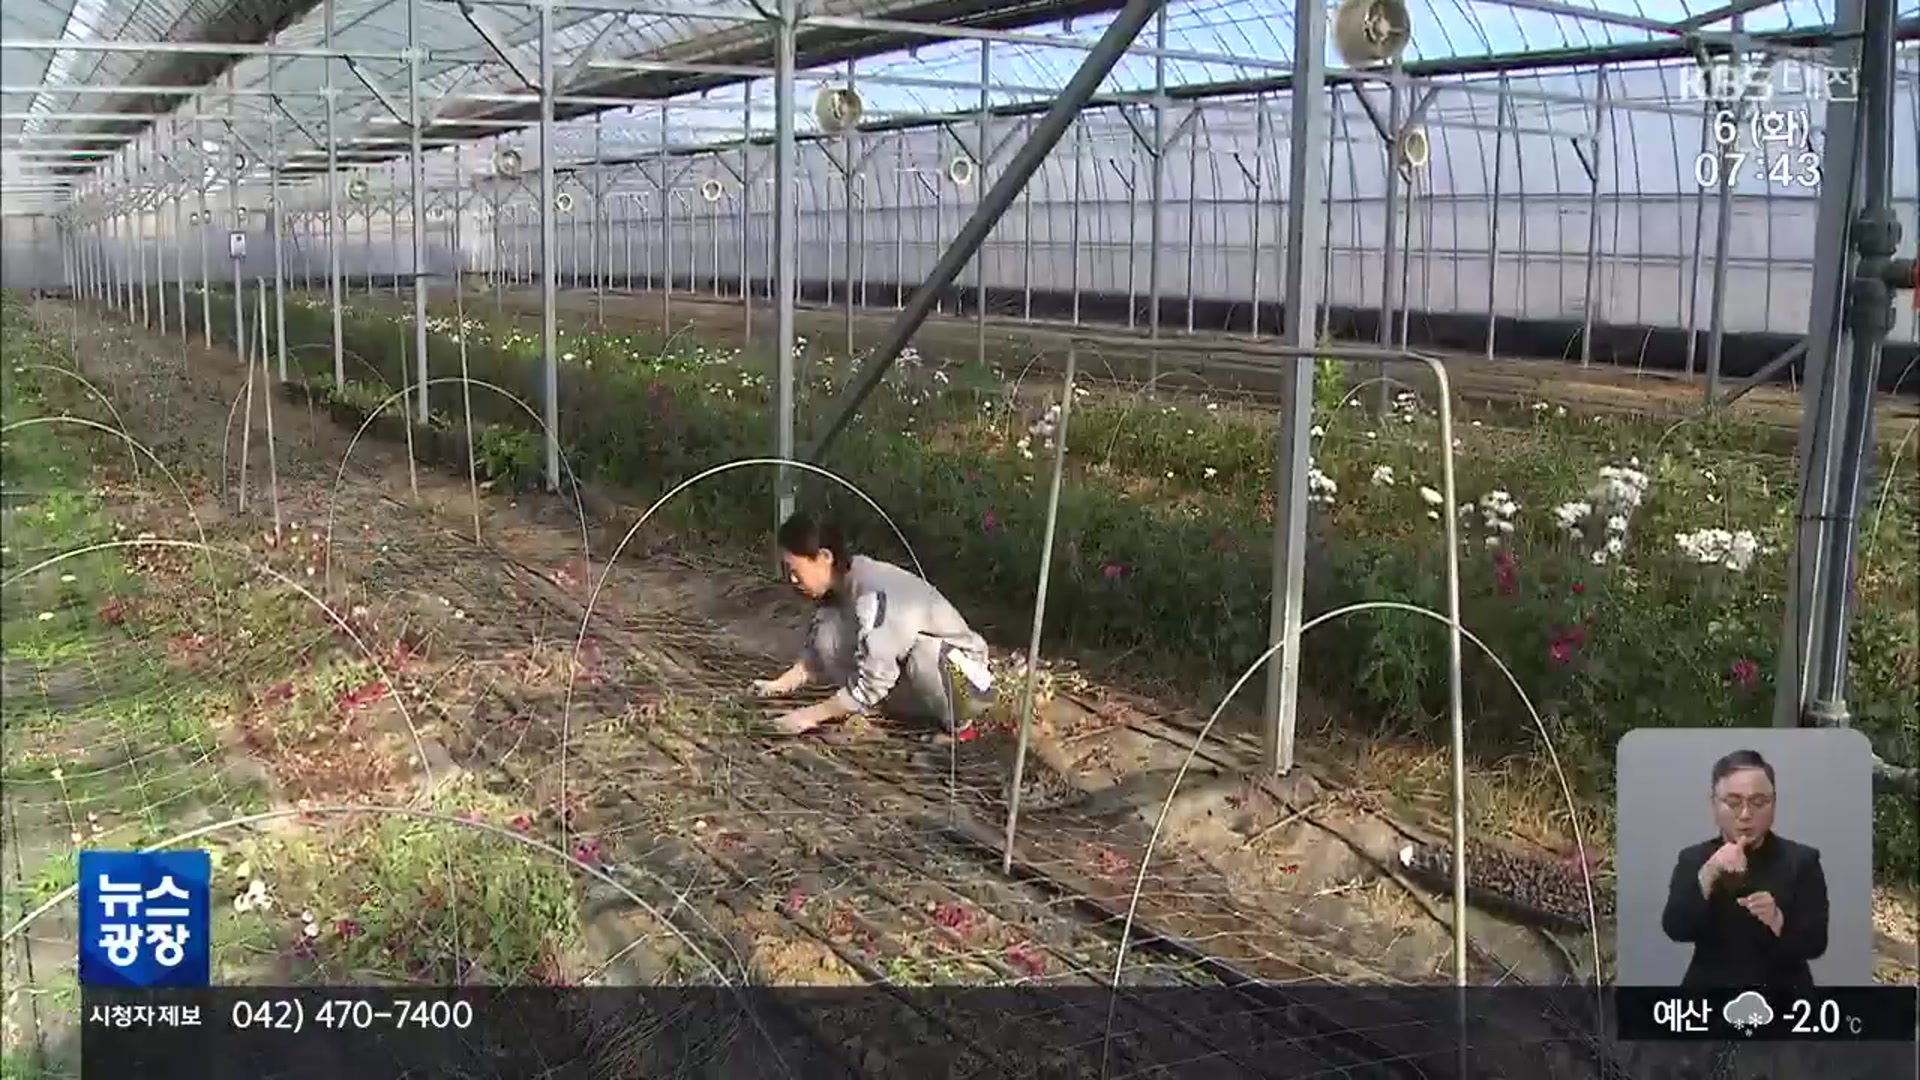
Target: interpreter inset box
(1744, 858)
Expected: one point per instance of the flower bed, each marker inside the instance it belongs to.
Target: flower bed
(1629, 573)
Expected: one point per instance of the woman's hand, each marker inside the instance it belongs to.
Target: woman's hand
(785, 683)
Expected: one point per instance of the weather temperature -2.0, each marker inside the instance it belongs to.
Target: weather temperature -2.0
(1824, 1014)
(1823, 1018)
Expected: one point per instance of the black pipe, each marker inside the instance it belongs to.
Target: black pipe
(1876, 238)
(1046, 135)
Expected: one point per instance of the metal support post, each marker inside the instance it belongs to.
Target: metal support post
(415, 51)
(1390, 245)
(1870, 317)
(1824, 390)
(1493, 215)
(983, 152)
(336, 233)
(1593, 218)
(786, 253)
(1156, 199)
(594, 239)
(849, 153)
(236, 221)
(276, 216)
(206, 268)
(666, 224)
(1073, 212)
(1306, 204)
(549, 330)
(1101, 58)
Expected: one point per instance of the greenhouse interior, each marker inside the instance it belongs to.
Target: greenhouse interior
(1374, 453)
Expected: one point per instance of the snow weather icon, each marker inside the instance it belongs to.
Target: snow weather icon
(1748, 1012)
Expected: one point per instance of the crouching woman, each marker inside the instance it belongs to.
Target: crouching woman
(888, 639)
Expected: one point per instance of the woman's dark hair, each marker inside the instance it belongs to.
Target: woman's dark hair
(1740, 759)
(802, 535)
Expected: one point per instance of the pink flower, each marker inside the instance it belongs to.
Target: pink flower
(1565, 643)
(1745, 672)
(587, 851)
(1113, 571)
(795, 903)
(347, 928)
(522, 823)
(988, 522)
(1579, 588)
(1506, 572)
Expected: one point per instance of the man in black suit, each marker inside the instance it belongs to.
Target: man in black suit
(1752, 904)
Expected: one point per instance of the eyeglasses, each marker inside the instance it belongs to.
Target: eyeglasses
(1735, 804)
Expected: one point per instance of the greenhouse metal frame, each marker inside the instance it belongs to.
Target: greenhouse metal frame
(545, 143)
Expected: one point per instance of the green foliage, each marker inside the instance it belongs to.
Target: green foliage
(1163, 542)
(507, 455)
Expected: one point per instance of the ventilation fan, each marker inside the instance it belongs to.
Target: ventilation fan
(1368, 33)
(1412, 150)
(193, 218)
(436, 213)
(960, 171)
(358, 189)
(711, 190)
(563, 202)
(838, 108)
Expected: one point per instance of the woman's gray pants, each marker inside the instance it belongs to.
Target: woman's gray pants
(929, 688)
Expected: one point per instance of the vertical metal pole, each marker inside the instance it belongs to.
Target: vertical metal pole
(1260, 124)
(666, 225)
(160, 266)
(980, 188)
(1073, 212)
(593, 227)
(1193, 208)
(336, 234)
(746, 213)
(1593, 218)
(1390, 245)
(900, 221)
(1826, 384)
(415, 51)
(1039, 609)
(1493, 214)
(1306, 202)
(206, 264)
(849, 147)
(138, 220)
(246, 351)
(1132, 179)
(367, 220)
(266, 404)
(237, 222)
(1026, 253)
(277, 216)
(1870, 318)
(549, 331)
(180, 254)
(1157, 199)
(1722, 240)
(786, 253)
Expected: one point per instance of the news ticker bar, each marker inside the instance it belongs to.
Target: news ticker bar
(367, 1033)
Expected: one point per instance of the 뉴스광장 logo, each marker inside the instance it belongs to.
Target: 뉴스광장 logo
(145, 918)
